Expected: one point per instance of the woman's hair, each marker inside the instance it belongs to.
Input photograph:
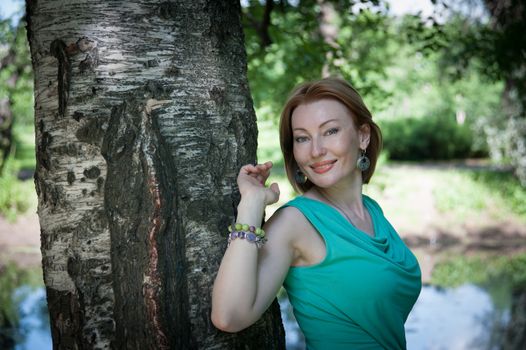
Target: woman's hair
(328, 88)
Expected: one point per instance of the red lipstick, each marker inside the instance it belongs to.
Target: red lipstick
(322, 167)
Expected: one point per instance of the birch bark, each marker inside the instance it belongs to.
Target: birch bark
(143, 118)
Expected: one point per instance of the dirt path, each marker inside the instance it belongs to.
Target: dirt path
(20, 241)
(434, 235)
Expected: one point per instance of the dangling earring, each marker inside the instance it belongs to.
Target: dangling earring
(300, 177)
(363, 161)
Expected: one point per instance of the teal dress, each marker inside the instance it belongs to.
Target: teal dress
(360, 294)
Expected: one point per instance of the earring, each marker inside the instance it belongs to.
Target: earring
(363, 161)
(300, 177)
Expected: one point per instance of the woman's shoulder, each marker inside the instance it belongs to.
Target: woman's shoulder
(286, 215)
(287, 220)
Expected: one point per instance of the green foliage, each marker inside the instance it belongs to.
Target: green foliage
(14, 39)
(268, 143)
(16, 197)
(295, 54)
(24, 147)
(368, 44)
(493, 45)
(16, 84)
(406, 90)
(419, 91)
(481, 269)
(299, 53)
(434, 137)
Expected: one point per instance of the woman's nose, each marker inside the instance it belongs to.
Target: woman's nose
(317, 148)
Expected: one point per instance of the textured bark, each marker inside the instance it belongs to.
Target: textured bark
(143, 118)
(516, 333)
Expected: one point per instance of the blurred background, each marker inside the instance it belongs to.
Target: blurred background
(445, 81)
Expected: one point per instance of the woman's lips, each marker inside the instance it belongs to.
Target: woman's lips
(323, 167)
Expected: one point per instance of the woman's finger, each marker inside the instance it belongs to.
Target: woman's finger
(258, 171)
(248, 168)
(274, 190)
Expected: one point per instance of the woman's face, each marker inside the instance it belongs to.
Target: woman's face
(326, 144)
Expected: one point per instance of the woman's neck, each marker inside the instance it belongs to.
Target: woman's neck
(346, 197)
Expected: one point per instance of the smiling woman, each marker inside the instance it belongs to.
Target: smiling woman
(350, 278)
(325, 129)
(333, 104)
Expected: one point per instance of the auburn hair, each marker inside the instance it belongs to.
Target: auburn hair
(327, 88)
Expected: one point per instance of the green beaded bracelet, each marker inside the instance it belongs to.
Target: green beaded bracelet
(244, 227)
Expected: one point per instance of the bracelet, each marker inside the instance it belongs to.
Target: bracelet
(244, 227)
(250, 233)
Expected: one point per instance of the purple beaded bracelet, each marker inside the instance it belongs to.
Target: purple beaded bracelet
(249, 236)
(252, 235)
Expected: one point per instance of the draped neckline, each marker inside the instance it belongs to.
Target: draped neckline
(378, 240)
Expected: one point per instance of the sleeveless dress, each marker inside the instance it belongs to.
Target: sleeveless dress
(360, 294)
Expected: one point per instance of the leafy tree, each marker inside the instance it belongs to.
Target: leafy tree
(296, 46)
(16, 88)
(492, 42)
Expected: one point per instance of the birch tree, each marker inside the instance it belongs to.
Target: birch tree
(143, 117)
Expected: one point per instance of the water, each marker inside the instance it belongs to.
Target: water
(466, 317)
(34, 330)
(25, 319)
(456, 318)
(462, 318)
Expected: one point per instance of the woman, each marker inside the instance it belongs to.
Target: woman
(350, 278)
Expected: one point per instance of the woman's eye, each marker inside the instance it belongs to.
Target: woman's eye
(332, 131)
(300, 139)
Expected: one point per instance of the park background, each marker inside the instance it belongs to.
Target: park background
(438, 80)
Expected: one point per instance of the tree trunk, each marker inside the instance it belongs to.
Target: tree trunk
(516, 331)
(508, 22)
(143, 118)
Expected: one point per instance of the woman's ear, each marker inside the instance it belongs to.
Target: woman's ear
(364, 134)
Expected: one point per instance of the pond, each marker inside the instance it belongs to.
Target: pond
(464, 317)
(468, 316)
(24, 319)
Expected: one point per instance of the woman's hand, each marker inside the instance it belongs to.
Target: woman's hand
(251, 182)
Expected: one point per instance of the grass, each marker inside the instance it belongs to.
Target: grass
(469, 192)
(506, 187)
(459, 193)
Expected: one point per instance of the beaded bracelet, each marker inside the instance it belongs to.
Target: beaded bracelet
(250, 233)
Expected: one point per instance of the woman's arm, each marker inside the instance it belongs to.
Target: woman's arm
(248, 279)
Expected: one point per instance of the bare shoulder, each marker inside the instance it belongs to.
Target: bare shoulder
(288, 227)
(287, 223)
